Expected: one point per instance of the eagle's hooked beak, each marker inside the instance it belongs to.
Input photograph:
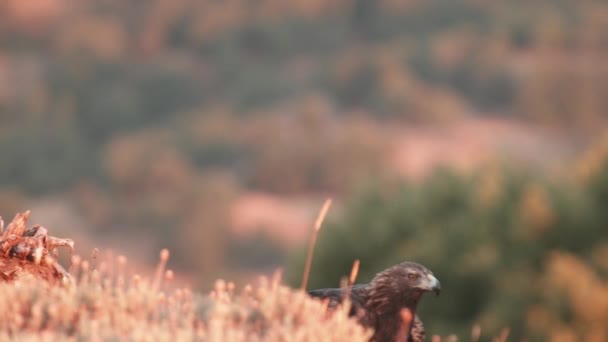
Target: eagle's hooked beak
(437, 288)
(433, 284)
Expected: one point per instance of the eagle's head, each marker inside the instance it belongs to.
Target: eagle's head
(402, 285)
(392, 292)
(416, 277)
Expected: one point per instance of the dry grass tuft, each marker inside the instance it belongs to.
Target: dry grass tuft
(102, 302)
(105, 304)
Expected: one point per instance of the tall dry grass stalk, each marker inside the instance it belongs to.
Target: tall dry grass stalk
(475, 333)
(313, 242)
(348, 283)
(503, 336)
(404, 332)
(354, 272)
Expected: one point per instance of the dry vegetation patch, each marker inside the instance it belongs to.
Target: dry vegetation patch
(97, 300)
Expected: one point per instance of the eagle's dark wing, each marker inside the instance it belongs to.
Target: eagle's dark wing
(336, 297)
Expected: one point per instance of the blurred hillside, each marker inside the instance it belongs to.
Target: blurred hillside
(216, 128)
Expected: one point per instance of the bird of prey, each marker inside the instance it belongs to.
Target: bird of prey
(381, 303)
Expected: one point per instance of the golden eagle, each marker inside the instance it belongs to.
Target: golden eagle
(381, 304)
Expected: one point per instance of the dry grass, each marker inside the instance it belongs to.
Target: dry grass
(102, 302)
(106, 304)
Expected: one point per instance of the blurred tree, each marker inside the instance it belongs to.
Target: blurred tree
(364, 17)
(46, 159)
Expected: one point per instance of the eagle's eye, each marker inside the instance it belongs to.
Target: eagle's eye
(413, 276)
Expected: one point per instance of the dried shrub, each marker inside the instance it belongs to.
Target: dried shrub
(30, 252)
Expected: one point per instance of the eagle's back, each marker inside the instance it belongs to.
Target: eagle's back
(357, 294)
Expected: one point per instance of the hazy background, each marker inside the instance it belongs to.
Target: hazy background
(466, 135)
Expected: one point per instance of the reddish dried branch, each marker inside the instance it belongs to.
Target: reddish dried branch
(29, 252)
